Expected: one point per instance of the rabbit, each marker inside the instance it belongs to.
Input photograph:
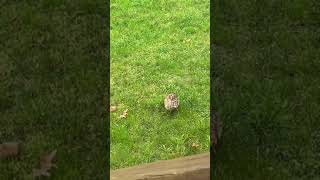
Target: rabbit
(171, 102)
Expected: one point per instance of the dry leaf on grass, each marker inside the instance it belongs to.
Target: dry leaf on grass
(45, 165)
(124, 114)
(113, 108)
(39, 172)
(9, 149)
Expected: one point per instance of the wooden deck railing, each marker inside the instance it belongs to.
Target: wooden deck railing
(195, 167)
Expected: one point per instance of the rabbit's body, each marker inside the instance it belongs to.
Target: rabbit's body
(171, 102)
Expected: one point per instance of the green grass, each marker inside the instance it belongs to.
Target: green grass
(159, 47)
(266, 79)
(52, 77)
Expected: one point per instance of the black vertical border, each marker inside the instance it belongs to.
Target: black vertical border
(107, 99)
(211, 83)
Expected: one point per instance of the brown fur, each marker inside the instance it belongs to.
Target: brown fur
(171, 102)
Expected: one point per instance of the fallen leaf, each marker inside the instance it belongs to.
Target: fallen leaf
(45, 165)
(113, 108)
(9, 149)
(124, 114)
(40, 172)
(194, 145)
(46, 160)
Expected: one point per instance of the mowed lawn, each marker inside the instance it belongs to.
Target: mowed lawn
(53, 87)
(267, 73)
(159, 47)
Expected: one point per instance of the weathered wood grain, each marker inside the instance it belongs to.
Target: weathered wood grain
(195, 167)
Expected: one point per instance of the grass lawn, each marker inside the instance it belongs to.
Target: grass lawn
(52, 77)
(159, 47)
(267, 73)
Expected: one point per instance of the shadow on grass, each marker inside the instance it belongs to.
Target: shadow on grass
(173, 113)
(159, 109)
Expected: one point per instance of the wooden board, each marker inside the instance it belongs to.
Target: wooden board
(195, 167)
